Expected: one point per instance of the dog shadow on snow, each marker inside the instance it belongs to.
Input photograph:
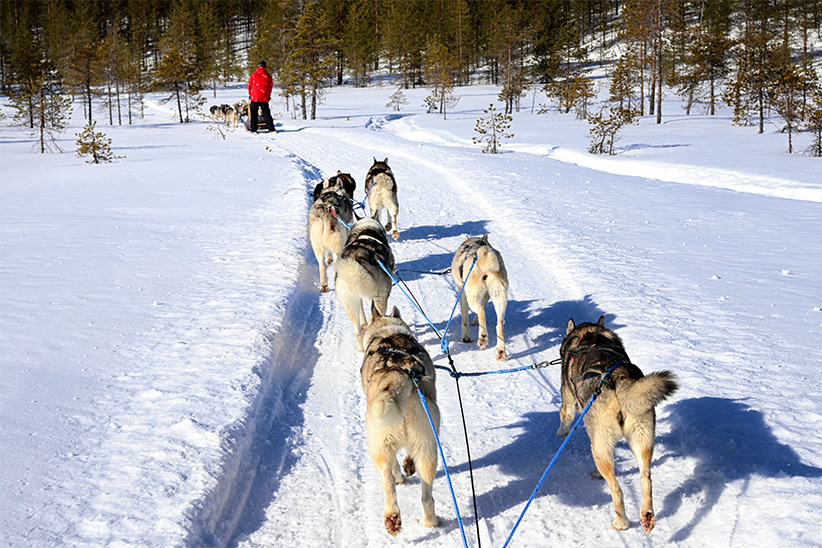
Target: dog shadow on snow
(431, 232)
(523, 461)
(731, 442)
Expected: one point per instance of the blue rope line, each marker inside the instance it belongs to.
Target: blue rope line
(361, 205)
(559, 451)
(457, 374)
(443, 341)
(397, 283)
(444, 465)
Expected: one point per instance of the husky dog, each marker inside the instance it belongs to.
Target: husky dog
(394, 416)
(342, 181)
(624, 408)
(359, 274)
(488, 279)
(232, 119)
(217, 113)
(381, 188)
(241, 108)
(327, 230)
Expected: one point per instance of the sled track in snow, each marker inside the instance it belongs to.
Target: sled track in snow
(254, 465)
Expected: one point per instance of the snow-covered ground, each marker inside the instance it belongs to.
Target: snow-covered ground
(171, 375)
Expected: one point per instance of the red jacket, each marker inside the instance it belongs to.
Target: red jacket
(260, 85)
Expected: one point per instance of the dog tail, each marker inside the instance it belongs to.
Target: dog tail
(639, 396)
(384, 180)
(388, 401)
(490, 265)
(357, 280)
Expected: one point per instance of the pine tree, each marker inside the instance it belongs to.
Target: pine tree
(492, 130)
(94, 144)
(396, 100)
(311, 58)
(813, 120)
(605, 127)
(440, 68)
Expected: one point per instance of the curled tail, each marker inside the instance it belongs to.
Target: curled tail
(639, 396)
(388, 398)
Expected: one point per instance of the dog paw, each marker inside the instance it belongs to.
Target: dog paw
(466, 339)
(482, 342)
(393, 524)
(324, 288)
(501, 357)
(648, 520)
(395, 235)
(563, 430)
(430, 521)
(388, 226)
(329, 261)
(596, 475)
(619, 524)
(408, 466)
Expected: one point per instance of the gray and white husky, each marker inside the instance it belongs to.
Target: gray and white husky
(394, 416)
(359, 274)
(624, 408)
(488, 279)
(381, 187)
(327, 229)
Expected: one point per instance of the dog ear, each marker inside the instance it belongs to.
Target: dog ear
(569, 326)
(374, 312)
(385, 161)
(485, 236)
(396, 313)
(601, 321)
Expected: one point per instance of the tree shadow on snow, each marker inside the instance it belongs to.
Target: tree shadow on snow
(431, 232)
(731, 441)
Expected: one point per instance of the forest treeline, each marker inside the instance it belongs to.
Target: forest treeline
(755, 55)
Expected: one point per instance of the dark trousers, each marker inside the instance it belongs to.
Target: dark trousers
(266, 116)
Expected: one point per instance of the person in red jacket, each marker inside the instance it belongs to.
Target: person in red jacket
(260, 84)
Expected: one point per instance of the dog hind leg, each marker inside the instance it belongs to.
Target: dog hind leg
(393, 210)
(465, 322)
(641, 442)
(319, 253)
(479, 307)
(603, 452)
(391, 514)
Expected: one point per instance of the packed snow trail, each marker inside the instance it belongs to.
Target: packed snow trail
(550, 256)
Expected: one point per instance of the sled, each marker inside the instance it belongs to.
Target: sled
(262, 126)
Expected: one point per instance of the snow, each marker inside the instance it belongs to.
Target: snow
(171, 375)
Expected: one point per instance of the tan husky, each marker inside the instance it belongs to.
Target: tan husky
(488, 279)
(327, 229)
(381, 187)
(624, 408)
(394, 416)
(359, 274)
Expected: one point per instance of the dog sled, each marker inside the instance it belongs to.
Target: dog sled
(262, 126)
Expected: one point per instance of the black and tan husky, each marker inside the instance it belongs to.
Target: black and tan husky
(394, 416)
(360, 274)
(593, 358)
(381, 188)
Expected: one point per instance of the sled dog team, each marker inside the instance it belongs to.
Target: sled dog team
(593, 357)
